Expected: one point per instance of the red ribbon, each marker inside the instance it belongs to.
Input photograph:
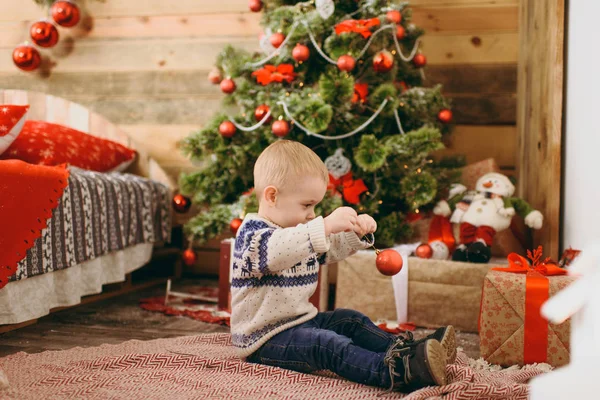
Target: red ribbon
(351, 189)
(441, 229)
(536, 294)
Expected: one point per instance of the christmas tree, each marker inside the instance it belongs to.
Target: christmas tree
(344, 78)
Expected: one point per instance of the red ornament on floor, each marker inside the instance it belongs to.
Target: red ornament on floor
(255, 5)
(235, 224)
(65, 13)
(27, 57)
(189, 257)
(400, 32)
(394, 16)
(389, 262)
(214, 76)
(445, 116)
(346, 63)
(181, 204)
(261, 111)
(227, 129)
(44, 34)
(419, 60)
(301, 53)
(276, 39)
(383, 61)
(424, 251)
(227, 86)
(280, 128)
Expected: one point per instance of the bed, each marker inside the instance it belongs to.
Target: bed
(90, 240)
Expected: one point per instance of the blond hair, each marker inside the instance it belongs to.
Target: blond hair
(283, 161)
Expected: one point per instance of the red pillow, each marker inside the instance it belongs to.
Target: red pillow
(11, 123)
(44, 143)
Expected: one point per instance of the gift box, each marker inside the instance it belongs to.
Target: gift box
(512, 330)
(439, 292)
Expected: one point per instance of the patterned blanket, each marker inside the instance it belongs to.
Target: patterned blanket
(99, 213)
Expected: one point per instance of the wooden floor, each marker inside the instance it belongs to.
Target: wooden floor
(120, 319)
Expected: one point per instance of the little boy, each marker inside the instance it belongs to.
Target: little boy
(277, 256)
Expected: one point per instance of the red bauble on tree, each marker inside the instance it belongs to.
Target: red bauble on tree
(400, 32)
(26, 57)
(280, 128)
(424, 251)
(301, 53)
(383, 61)
(445, 116)
(419, 60)
(44, 34)
(189, 257)
(65, 13)
(227, 86)
(255, 5)
(346, 63)
(276, 39)
(394, 16)
(227, 129)
(181, 204)
(214, 76)
(235, 224)
(389, 262)
(261, 111)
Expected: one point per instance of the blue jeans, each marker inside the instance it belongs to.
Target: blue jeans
(343, 341)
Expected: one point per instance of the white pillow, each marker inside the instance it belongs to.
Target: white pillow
(12, 119)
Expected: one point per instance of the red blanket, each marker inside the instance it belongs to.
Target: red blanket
(28, 194)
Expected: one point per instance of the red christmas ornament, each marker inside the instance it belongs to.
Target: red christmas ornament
(400, 32)
(255, 5)
(419, 60)
(261, 111)
(189, 257)
(65, 13)
(227, 86)
(276, 39)
(26, 57)
(227, 129)
(389, 262)
(383, 61)
(445, 116)
(214, 76)
(346, 63)
(181, 204)
(394, 16)
(44, 34)
(301, 53)
(280, 128)
(234, 225)
(424, 251)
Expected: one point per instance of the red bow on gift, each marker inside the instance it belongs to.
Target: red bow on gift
(519, 264)
(361, 26)
(351, 189)
(270, 73)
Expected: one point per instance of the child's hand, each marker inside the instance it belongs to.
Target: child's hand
(342, 219)
(365, 224)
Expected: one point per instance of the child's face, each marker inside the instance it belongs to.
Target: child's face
(296, 203)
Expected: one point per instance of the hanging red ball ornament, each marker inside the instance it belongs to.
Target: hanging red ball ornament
(261, 111)
(276, 39)
(227, 129)
(301, 53)
(346, 63)
(235, 224)
(394, 16)
(255, 5)
(445, 116)
(26, 57)
(181, 204)
(65, 13)
(400, 32)
(280, 128)
(383, 61)
(424, 251)
(214, 76)
(419, 60)
(389, 262)
(44, 34)
(189, 257)
(227, 86)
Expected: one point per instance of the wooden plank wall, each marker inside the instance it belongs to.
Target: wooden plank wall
(143, 65)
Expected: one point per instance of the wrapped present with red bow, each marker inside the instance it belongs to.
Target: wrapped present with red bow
(511, 327)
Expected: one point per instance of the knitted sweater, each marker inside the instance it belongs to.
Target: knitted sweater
(275, 271)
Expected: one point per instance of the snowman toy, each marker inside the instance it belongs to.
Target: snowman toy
(484, 212)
